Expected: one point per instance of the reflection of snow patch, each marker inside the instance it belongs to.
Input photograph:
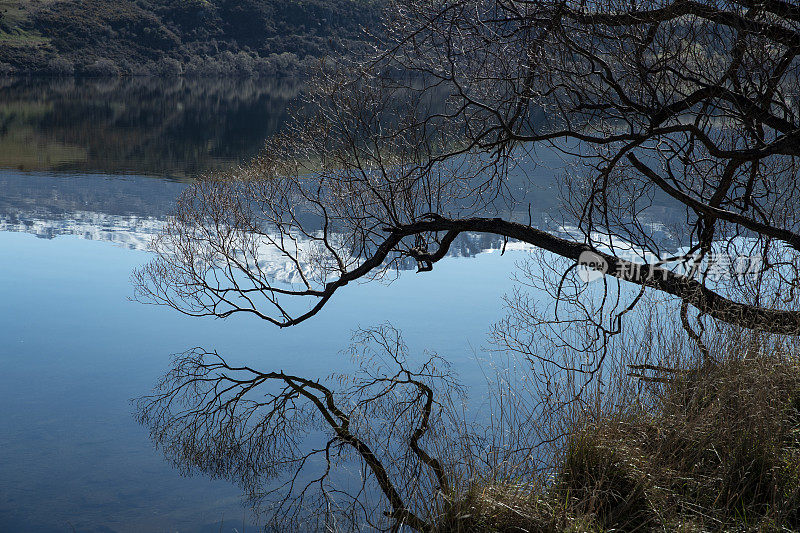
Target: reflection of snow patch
(511, 246)
(129, 231)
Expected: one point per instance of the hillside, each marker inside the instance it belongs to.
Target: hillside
(170, 37)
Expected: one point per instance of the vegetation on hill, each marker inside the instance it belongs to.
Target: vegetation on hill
(173, 37)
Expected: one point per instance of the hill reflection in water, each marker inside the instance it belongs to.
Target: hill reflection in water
(124, 210)
(146, 126)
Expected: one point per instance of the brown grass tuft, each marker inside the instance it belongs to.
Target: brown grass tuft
(716, 448)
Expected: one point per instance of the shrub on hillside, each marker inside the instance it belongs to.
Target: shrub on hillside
(60, 66)
(102, 68)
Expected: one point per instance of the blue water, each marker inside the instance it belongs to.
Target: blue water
(75, 350)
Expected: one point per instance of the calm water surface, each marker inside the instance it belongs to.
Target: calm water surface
(89, 171)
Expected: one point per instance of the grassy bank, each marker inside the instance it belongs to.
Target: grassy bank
(717, 448)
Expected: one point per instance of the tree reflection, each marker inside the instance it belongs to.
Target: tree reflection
(251, 427)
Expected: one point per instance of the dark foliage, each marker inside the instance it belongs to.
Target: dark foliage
(172, 37)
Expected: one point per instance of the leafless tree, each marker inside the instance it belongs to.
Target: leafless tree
(691, 100)
(691, 104)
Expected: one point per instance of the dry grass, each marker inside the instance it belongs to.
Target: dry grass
(715, 449)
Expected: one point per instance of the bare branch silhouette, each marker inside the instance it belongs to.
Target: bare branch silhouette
(237, 423)
(687, 104)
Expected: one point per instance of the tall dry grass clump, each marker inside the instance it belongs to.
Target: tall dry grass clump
(719, 450)
(710, 447)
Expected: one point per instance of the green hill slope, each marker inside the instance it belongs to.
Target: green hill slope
(202, 37)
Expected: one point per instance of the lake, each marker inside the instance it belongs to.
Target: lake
(89, 171)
